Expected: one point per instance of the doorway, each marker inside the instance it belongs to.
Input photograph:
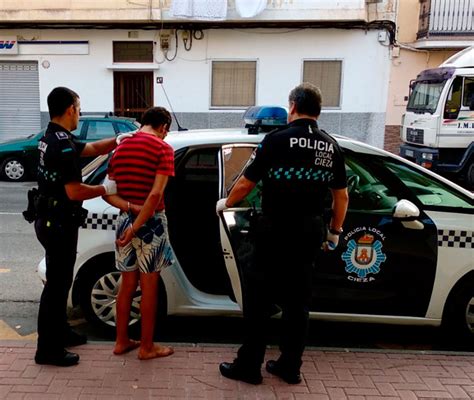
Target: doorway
(133, 93)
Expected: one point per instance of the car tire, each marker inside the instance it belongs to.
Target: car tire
(98, 295)
(459, 315)
(13, 170)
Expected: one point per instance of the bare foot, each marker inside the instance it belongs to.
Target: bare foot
(125, 348)
(157, 351)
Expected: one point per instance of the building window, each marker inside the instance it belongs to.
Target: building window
(133, 52)
(233, 83)
(327, 76)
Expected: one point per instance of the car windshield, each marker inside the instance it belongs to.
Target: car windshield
(429, 191)
(425, 96)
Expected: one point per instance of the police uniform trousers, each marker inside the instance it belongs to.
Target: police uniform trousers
(285, 252)
(60, 244)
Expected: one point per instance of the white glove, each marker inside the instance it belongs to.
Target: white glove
(332, 240)
(220, 205)
(122, 136)
(110, 186)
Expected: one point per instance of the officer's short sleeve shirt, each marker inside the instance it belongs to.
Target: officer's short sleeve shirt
(297, 166)
(59, 162)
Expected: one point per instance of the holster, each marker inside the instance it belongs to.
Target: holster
(31, 213)
(56, 212)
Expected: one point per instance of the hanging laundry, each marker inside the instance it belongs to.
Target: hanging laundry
(207, 10)
(250, 8)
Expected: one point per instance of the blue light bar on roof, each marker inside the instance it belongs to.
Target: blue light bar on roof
(265, 116)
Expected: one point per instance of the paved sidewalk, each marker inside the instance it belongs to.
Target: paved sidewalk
(192, 373)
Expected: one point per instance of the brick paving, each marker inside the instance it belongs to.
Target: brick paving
(192, 373)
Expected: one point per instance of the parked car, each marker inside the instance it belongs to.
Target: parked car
(19, 157)
(405, 256)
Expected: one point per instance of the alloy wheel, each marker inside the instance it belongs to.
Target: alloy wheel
(104, 299)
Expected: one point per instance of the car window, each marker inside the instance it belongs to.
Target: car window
(428, 190)
(122, 127)
(235, 157)
(100, 130)
(368, 191)
(77, 132)
(97, 177)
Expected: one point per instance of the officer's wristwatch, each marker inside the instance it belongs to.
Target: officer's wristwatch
(335, 231)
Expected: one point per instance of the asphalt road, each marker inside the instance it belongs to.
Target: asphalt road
(20, 290)
(20, 252)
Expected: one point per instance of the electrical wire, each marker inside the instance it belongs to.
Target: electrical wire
(185, 41)
(176, 47)
(201, 34)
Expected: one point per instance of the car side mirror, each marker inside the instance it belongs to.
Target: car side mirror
(407, 213)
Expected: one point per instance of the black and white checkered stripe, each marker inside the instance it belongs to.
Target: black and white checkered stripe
(453, 238)
(100, 221)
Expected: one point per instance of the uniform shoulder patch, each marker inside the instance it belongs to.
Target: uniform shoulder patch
(62, 135)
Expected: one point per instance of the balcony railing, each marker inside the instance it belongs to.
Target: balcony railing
(446, 18)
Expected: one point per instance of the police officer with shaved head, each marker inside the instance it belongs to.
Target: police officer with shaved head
(297, 167)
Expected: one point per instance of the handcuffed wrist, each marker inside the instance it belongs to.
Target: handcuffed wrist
(335, 231)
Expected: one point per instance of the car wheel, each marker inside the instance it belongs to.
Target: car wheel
(98, 297)
(13, 169)
(459, 315)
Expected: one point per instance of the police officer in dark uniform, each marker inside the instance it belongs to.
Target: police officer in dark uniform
(59, 213)
(297, 166)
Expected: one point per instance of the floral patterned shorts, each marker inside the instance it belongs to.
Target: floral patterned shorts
(150, 250)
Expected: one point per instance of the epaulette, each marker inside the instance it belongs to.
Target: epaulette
(61, 135)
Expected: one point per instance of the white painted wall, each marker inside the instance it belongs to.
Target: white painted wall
(279, 54)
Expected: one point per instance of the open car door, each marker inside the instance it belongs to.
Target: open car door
(234, 222)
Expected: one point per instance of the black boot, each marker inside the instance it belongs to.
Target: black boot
(72, 338)
(291, 376)
(62, 358)
(240, 372)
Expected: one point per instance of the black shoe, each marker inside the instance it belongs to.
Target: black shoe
(289, 376)
(72, 338)
(61, 359)
(239, 372)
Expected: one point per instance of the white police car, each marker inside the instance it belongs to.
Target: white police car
(405, 257)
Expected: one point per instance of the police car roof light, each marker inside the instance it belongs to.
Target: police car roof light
(257, 118)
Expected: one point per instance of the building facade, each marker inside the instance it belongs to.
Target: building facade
(428, 33)
(122, 57)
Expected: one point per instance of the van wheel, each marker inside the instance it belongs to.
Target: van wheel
(98, 297)
(459, 315)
